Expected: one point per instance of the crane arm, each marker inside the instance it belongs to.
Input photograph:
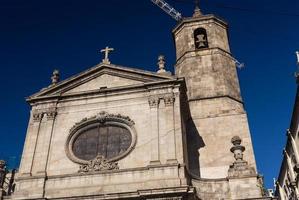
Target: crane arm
(168, 9)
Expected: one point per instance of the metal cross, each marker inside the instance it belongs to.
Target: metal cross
(107, 50)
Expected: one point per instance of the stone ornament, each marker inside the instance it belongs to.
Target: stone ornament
(161, 64)
(154, 101)
(37, 117)
(51, 115)
(240, 167)
(55, 77)
(169, 100)
(197, 11)
(98, 164)
(103, 117)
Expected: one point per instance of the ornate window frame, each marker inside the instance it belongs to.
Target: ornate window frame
(103, 118)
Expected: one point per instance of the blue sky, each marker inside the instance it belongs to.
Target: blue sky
(37, 37)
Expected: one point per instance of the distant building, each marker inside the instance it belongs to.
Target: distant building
(114, 132)
(288, 179)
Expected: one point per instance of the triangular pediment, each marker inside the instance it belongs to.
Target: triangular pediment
(103, 81)
(101, 77)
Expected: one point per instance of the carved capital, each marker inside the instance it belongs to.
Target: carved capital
(100, 163)
(51, 115)
(169, 100)
(153, 102)
(38, 116)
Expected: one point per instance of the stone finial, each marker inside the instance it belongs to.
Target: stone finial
(161, 64)
(2, 164)
(197, 11)
(55, 77)
(237, 149)
(240, 167)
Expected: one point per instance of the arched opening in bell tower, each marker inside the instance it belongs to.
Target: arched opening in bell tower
(200, 38)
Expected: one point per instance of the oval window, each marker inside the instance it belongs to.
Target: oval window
(109, 141)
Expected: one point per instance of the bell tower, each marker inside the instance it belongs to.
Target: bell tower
(216, 107)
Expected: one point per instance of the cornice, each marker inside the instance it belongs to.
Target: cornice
(178, 82)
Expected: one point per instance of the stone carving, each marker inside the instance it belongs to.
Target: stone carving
(161, 64)
(197, 11)
(55, 77)
(51, 115)
(153, 102)
(240, 167)
(103, 117)
(98, 164)
(169, 100)
(37, 117)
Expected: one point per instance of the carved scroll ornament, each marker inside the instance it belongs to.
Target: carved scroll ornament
(98, 164)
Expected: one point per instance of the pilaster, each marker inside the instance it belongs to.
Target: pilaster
(169, 100)
(44, 142)
(293, 181)
(30, 143)
(154, 102)
(282, 195)
(294, 146)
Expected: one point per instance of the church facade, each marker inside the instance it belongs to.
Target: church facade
(113, 132)
(287, 184)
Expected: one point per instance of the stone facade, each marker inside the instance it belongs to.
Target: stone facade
(189, 135)
(287, 185)
(214, 97)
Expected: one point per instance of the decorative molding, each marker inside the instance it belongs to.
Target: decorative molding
(51, 115)
(169, 100)
(98, 164)
(38, 116)
(102, 118)
(153, 101)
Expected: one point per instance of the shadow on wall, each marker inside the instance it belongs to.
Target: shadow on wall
(194, 143)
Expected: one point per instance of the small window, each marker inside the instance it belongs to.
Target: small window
(201, 38)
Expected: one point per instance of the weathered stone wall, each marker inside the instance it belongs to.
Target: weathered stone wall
(215, 102)
(153, 163)
(216, 31)
(240, 188)
(209, 73)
